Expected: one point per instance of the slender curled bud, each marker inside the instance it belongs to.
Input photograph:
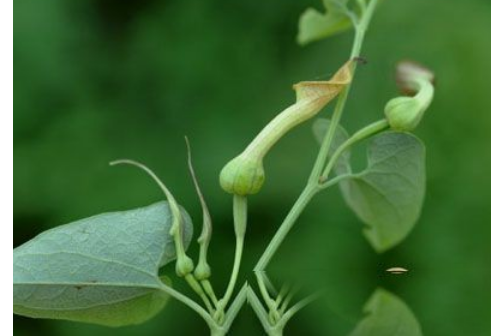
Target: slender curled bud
(184, 265)
(405, 113)
(203, 270)
(244, 175)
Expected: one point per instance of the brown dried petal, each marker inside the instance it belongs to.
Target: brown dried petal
(406, 73)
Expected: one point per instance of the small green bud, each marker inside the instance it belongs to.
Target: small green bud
(405, 113)
(202, 271)
(242, 176)
(184, 265)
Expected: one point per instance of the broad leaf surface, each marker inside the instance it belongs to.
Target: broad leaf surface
(388, 195)
(102, 269)
(387, 315)
(314, 25)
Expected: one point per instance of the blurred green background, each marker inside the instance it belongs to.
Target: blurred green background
(99, 80)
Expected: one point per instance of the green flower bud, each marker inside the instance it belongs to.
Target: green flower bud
(244, 175)
(184, 265)
(405, 113)
(202, 271)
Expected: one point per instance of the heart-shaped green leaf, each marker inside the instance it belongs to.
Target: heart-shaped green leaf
(388, 195)
(314, 25)
(387, 315)
(102, 269)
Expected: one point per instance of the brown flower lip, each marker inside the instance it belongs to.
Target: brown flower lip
(406, 71)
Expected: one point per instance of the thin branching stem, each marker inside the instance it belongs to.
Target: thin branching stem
(189, 303)
(314, 184)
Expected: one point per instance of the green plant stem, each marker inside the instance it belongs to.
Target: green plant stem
(313, 185)
(297, 307)
(194, 284)
(189, 303)
(284, 229)
(264, 292)
(207, 287)
(286, 302)
(284, 290)
(362, 5)
(313, 182)
(235, 307)
(269, 285)
(234, 274)
(360, 135)
(240, 225)
(360, 32)
(275, 332)
(217, 332)
(335, 180)
(258, 308)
